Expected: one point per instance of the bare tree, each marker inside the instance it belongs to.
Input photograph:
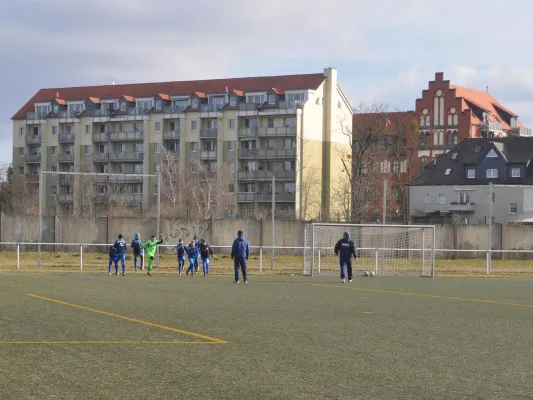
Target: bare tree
(310, 185)
(6, 193)
(172, 185)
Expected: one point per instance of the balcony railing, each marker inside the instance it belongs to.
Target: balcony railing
(100, 137)
(136, 112)
(100, 157)
(278, 153)
(69, 114)
(278, 131)
(250, 175)
(126, 157)
(33, 117)
(522, 131)
(102, 113)
(276, 174)
(65, 158)
(462, 207)
(169, 111)
(208, 132)
(126, 197)
(171, 134)
(124, 179)
(67, 138)
(248, 106)
(33, 139)
(491, 126)
(285, 107)
(245, 197)
(247, 153)
(208, 155)
(279, 197)
(204, 108)
(65, 197)
(248, 132)
(32, 158)
(31, 178)
(126, 136)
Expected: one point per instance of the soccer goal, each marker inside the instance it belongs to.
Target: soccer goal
(384, 249)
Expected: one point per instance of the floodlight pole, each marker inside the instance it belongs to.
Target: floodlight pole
(158, 222)
(40, 235)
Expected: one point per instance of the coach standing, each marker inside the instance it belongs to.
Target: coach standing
(239, 253)
(345, 249)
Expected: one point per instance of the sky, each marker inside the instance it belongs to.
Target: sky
(385, 51)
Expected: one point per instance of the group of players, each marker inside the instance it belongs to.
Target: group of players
(197, 249)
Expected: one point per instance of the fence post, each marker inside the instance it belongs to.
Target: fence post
(260, 259)
(81, 257)
(376, 260)
(319, 260)
(18, 256)
(488, 262)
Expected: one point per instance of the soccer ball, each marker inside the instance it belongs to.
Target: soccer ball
(372, 274)
(365, 273)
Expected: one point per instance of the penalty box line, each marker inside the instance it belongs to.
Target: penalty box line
(431, 296)
(211, 340)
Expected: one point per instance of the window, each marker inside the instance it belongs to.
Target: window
(231, 123)
(231, 167)
(270, 165)
(492, 173)
(212, 124)
(270, 144)
(231, 188)
(270, 122)
(88, 129)
(289, 165)
(427, 198)
(139, 127)
(53, 189)
(454, 156)
(54, 130)
(87, 149)
(138, 148)
(53, 168)
(464, 198)
(289, 187)
(22, 131)
(158, 126)
(256, 99)
(103, 129)
(194, 103)
(144, 105)
(121, 148)
(289, 144)
(289, 122)
(158, 105)
(492, 154)
(194, 125)
(231, 145)
(54, 150)
(123, 106)
(232, 101)
(296, 98)
(441, 198)
(194, 147)
(448, 171)
(68, 130)
(21, 170)
(478, 149)
(487, 220)
(250, 166)
(157, 167)
(36, 130)
(21, 151)
(138, 188)
(157, 148)
(515, 173)
(87, 168)
(271, 99)
(139, 168)
(471, 174)
(513, 208)
(43, 110)
(102, 168)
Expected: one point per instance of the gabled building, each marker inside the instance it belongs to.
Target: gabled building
(455, 185)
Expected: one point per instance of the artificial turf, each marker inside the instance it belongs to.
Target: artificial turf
(278, 337)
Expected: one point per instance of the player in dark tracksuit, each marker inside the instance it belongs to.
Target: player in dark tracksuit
(197, 244)
(205, 250)
(136, 246)
(112, 253)
(181, 250)
(239, 253)
(345, 249)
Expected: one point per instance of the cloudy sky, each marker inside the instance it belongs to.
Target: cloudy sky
(385, 50)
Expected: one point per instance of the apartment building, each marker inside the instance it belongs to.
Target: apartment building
(238, 133)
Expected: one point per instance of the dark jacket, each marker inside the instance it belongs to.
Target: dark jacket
(112, 251)
(345, 249)
(205, 249)
(136, 246)
(181, 249)
(120, 246)
(240, 248)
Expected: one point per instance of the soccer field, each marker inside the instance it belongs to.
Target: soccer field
(91, 336)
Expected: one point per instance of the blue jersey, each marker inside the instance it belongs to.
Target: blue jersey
(192, 252)
(120, 246)
(136, 246)
(181, 250)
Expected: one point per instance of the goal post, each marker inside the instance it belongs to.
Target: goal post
(385, 249)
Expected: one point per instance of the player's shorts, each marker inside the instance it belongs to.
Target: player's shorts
(112, 259)
(181, 259)
(120, 257)
(137, 255)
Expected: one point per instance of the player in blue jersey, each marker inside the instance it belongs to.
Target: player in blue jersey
(181, 250)
(120, 253)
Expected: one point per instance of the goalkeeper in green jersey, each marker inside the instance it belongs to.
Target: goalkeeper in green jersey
(150, 247)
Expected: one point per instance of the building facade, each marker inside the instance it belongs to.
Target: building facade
(455, 187)
(221, 141)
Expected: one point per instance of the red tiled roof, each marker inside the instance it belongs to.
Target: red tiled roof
(239, 93)
(200, 94)
(130, 99)
(182, 88)
(61, 102)
(95, 100)
(278, 91)
(484, 101)
(164, 96)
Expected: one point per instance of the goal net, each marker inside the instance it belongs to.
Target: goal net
(384, 249)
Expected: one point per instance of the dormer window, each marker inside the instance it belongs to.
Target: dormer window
(471, 174)
(492, 154)
(233, 102)
(478, 149)
(158, 104)
(295, 98)
(492, 173)
(448, 171)
(515, 173)
(56, 108)
(194, 103)
(271, 99)
(256, 99)
(123, 106)
(454, 156)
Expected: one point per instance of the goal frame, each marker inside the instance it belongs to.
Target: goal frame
(325, 224)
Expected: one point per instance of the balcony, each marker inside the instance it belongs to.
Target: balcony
(136, 136)
(278, 131)
(124, 179)
(174, 112)
(208, 155)
(282, 108)
(290, 175)
(521, 131)
(65, 158)
(33, 139)
(248, 107)
(248, 132)
(67, 138)
(246, 197)
(126, 198)
(279, 197)
(246, 175)
(127, 157)
(35, 118)
(491, 127)
(208, 132)
(65, 198)
(130, 114)
(277, 153)
(68, 116)
(462, 207)
(247, 153)
(101, 115)
(32, 158)
(210, 110)
(171, 134)
(100, 157)
(100, 137)
(31, 178)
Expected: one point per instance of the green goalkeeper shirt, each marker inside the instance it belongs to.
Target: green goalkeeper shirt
(150, 247)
